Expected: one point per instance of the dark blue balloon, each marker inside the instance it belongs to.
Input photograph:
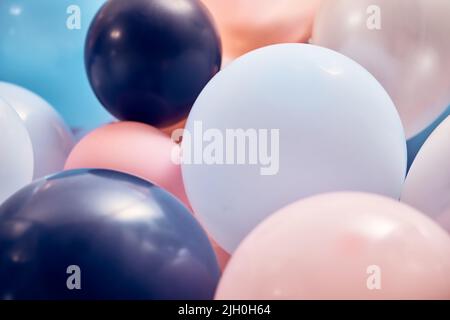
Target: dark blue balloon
(414, 144)
(148, 60)
(130, 239)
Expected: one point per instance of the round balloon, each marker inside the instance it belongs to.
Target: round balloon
(137, 149)
(42, 45)
(403, 43)
(51, 138)
(341, 246)
(245, 25)
(282, 123)
(16, 152)
(110, 234)
(427, 185)
(147, 60)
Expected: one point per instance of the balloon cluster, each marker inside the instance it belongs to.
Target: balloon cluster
(135, 164)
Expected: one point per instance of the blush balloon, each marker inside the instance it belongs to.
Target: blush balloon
(341, 246)
(245, 25)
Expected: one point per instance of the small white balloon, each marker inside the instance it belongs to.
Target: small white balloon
(16, 152)
(52, 140)
(282, 123)
(427, 186)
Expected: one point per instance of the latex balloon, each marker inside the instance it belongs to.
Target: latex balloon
(282, 123)
(137, 149)
(134, 148)
(147, 60)
(341, 246)
(52, 140)
(129, 239)
(42, 50)
(245, 25)
(427, 185)
(16, 152)
(170, 130)
(414, 144)
(403, 43)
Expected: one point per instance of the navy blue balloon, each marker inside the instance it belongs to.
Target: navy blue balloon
(414, 144)
(130, 239)
(148, 60)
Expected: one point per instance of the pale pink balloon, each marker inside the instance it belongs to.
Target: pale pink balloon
(427, 186)
(341, 246)
(137, 149)
(245, 25)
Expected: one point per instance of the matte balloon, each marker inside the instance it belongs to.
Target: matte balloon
(129, 239)
(415, 143)
(341, 246)
(403, 43)
(42, 44)
(282, 123)
(137, 149)
(427, 185)
(52, 140)
(16, 152)
(245, 25)
(147, 60)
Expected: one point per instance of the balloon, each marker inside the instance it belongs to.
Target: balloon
(341, 246)
(42, 50)
(170, 130)
(50, 137)
(306, 119)
(134, 148)
(137, 149)
(245, 25)
(147, 60)
(16, 152)
(427, 185)
(403, 43)
(414, 144)
(129, 238)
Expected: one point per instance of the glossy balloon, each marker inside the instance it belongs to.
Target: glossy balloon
(52, 140)
(42, 50)
(16, 152)
(245, 25)
(337, 130)
(403, 43)
(341, 246)
(415, 143)
(147, 60)
(131, 240)
(427, 185)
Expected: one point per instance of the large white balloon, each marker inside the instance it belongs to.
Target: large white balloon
(51, 138)
(16, 152)
(405, 44)
(427, 185)
(337, 130)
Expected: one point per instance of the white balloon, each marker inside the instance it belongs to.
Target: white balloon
(52, 140)
(16, 152)
(338, 130)
(405, 44)
(427, 186)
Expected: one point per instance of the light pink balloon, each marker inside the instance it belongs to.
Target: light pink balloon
(245, 25)
(137, 149)
(427, 185)
(341, 246)
(403, 43)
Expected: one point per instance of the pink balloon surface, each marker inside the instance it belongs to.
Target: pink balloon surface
(341, 246)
